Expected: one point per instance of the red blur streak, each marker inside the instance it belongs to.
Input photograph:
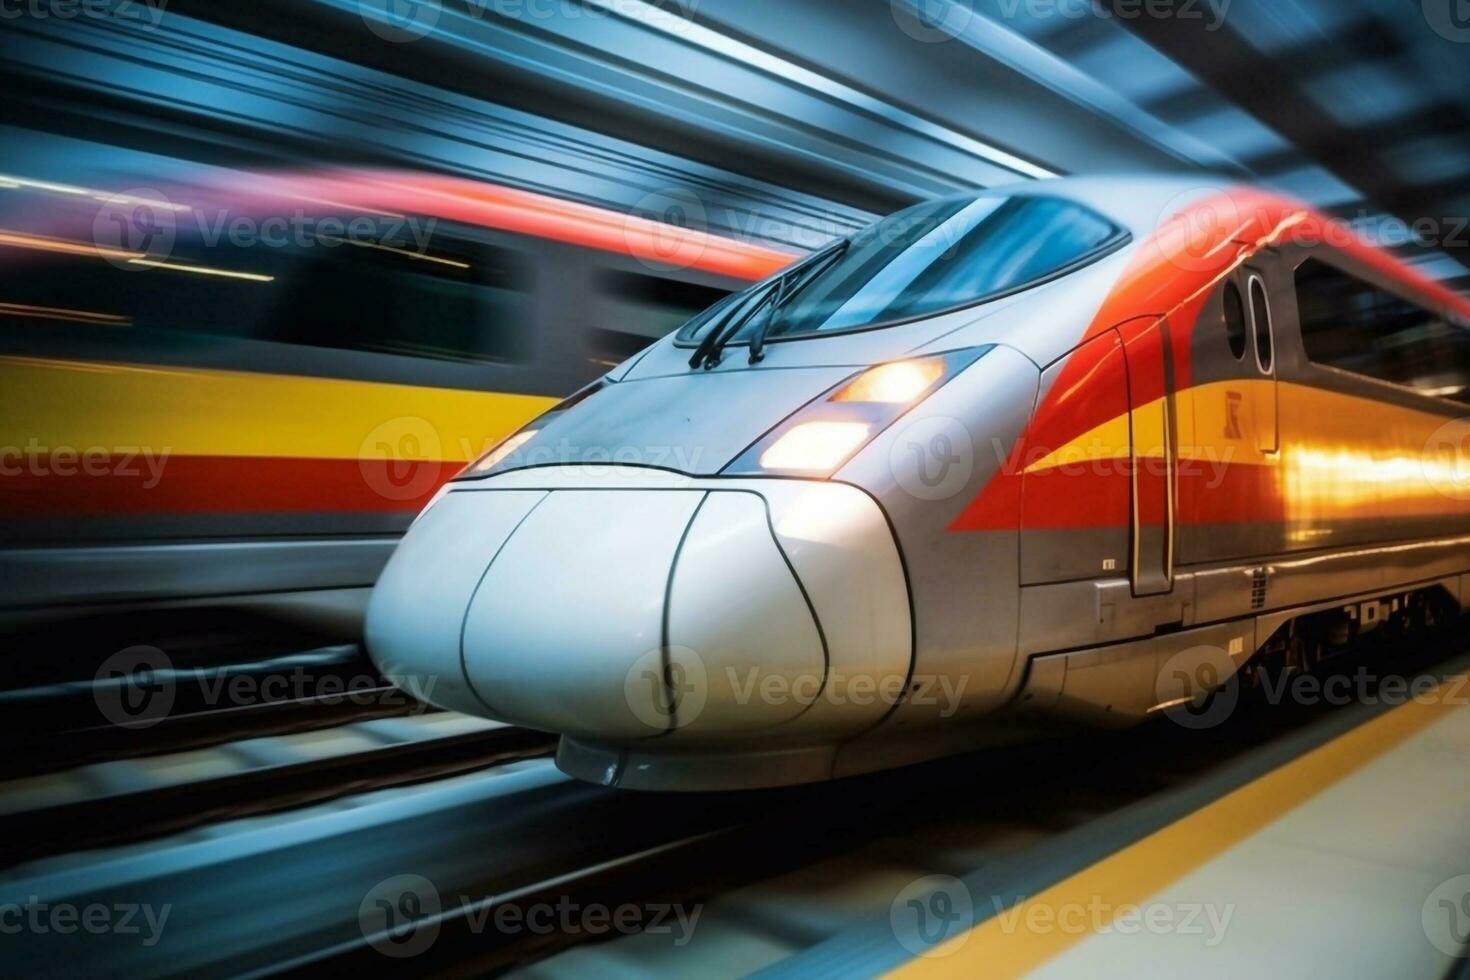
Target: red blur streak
(525, 212)
(220, 485)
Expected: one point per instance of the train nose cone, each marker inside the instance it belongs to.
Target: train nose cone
(620, 615)
(653, 625)
(416, 614)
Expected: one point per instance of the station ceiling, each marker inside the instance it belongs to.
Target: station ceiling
(1360, 106)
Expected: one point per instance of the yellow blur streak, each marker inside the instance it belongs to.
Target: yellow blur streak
(1003, 947)
(60, 313)
(41, 243)
(201, 270)
(195, 411)
(406, 253)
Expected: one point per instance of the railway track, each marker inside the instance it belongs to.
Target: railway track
(78, 809)
(773, 875)
(196, 730)
(777, 887)
(189, 700)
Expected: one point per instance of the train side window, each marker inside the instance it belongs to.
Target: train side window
(1355, 326)
(460, 302)
(1262, 325)
(457, 302)
(1234, 320)
(638, 309)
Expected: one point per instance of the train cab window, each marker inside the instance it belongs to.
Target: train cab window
(1352, 325)
(1234, 320)
(929, 259)
(638, 309)
(1262, 325)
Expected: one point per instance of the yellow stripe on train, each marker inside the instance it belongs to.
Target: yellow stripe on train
(81, 406)
(1217, 421)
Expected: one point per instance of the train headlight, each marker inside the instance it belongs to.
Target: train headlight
(894, 383)
(815, 447)
(502, 456)
(829, 431)
(489, 461)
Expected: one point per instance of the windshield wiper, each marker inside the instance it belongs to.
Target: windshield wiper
(787, 289)
(712, 346)
(710, 349)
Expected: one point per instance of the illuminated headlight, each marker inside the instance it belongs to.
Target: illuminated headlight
(488, 461)
(829, 431)
(894, 383)
(503, 456)
(815, 447)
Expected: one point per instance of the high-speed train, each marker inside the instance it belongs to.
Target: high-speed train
(1066, 453)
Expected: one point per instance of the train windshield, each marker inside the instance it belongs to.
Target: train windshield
(928, 259)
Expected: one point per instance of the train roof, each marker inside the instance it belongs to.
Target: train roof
(1207, 209)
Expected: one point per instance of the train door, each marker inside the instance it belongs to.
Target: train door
(1263, 342)
(1152, 432)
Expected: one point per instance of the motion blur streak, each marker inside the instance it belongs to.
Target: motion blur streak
(200, 270)
(41, 243)
(54, 313)
(528, 213)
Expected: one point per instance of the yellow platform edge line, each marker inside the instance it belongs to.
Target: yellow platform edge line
(1002, 946)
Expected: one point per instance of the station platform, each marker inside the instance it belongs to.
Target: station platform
(1351, 859)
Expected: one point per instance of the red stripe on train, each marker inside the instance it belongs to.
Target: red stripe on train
(131, 484)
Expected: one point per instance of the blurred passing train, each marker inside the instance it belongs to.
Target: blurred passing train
(1075, 451)
(239, 395)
